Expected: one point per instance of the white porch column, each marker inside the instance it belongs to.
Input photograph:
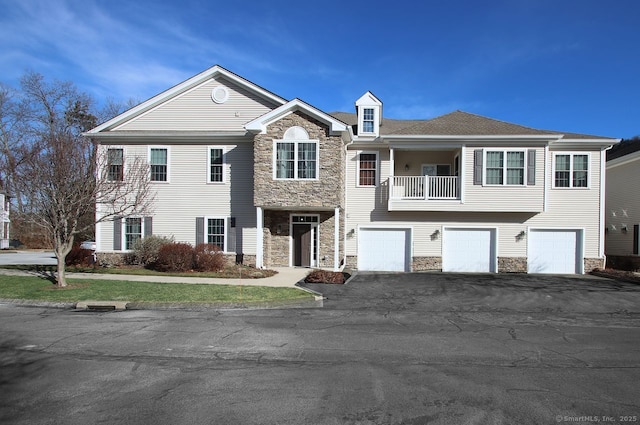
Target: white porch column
(259, 238)
(336, 240)
(391, 163)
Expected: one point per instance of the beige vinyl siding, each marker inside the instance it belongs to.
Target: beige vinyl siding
(574, 208)
(188, 195)
(415, 159)
(567, 208)
(195, 111)
(503, 198)
(478, 198)
(622, 207)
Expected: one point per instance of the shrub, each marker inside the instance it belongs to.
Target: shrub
(146, 250)
(209, 258)
(324, 276)
(175, 257)
(79, 257)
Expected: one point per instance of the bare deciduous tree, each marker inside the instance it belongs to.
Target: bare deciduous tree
(13, 149)
(65, 176)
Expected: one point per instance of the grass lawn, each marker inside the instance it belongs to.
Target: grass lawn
(235, 271)
(36, 288)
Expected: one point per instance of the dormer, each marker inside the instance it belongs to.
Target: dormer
(369, 111)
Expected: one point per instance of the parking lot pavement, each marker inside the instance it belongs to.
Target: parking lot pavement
(43, 258)
(502, 292)
(385, 349)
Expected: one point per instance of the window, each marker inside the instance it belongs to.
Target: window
(158, 159)
(571, 170)
(515, 167)
(132, 232)
(216, 165)
(367, 120)
(296, 160)
(115, 161)
(215, 232)
(505, 172)
(367, 169)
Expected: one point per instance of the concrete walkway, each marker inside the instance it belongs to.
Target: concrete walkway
(286, 277)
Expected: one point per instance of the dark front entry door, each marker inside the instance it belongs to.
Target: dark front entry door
(302, 245)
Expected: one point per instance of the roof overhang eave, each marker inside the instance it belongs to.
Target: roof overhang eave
(584, 143)
(260, 124)
(173, 135)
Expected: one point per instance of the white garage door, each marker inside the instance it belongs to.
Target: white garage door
(384, 249)
(554, 251)
(469, 250)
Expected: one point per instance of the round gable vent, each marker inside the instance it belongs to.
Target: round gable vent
(220, 94)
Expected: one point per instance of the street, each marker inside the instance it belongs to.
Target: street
(384, 349)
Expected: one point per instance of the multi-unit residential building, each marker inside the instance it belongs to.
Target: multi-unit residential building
(623, 204)
(6, 221)
(278, 182)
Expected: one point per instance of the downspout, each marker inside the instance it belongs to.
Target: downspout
(346, 215)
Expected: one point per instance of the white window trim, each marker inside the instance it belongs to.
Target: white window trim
(224, 164)
(226, 230)
(168, 148)
(504, 167)
(377, 182)
(124, 161)
(362, 120)
(571, 154)
(124, 231)
(295, 164)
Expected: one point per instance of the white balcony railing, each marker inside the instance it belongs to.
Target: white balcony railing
(424, 187)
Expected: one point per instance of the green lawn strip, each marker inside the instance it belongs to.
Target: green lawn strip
(229, 273)
(36, 288)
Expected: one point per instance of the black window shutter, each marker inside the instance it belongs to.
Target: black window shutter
(531, 167)
(199, 230)
(148, 226)
(477, 166)
(635, 238)
(117, 233)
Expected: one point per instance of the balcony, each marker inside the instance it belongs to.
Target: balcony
(424, 188)
(424, 193)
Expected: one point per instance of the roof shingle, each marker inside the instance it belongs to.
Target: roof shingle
(457, 123)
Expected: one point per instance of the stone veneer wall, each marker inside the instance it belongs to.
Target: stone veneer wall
(426, 263)
(512, 264)
(276, 244)
(590, 264)
(327, 191)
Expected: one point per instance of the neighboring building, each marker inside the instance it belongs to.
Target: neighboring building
(281, 183)
(4, 211)
(623, 204)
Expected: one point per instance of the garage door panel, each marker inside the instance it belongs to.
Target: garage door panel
(469, 250)
(554, 251)
(384, 249)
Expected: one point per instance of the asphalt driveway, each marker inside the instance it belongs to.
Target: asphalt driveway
(399, 349)
(518, 293)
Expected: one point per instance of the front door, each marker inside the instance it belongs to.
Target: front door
(302, 245)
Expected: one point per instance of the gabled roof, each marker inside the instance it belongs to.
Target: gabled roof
(624, 148)
(186, 85)
(260, 124)
(460, 123)
(368, 99)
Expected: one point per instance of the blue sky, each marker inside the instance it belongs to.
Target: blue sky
(568, 65)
